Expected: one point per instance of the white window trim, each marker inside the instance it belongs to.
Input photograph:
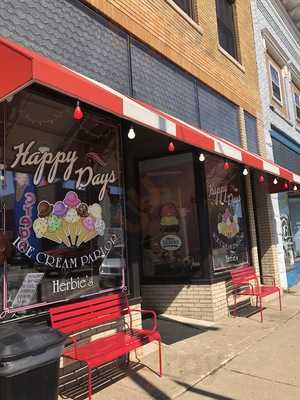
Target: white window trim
(280, 102)
(185, 16)
(295, 104)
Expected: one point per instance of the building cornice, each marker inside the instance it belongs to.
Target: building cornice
(273, 48)
(283, 13)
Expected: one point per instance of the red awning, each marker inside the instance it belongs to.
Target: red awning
(21, 67)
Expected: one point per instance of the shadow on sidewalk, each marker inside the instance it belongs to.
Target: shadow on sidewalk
(174, 331)
(207, 394)
(74, 385)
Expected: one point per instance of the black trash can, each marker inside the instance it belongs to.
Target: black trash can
(29, 362)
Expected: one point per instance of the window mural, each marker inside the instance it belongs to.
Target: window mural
(169, 218)
(61, 202)
(227, 223)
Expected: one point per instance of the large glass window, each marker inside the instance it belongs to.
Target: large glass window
(61, 201)
(226, 26)
(169, 218)
(294, 206)
(227, 221)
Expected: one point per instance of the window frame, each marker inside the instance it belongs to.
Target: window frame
(190, 11)
(296, 92)
(278, 71)
(236, 53)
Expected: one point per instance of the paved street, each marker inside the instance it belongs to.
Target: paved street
(238, 359)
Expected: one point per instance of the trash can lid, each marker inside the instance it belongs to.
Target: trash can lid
(21, 340)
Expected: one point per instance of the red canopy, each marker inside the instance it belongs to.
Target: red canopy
(21, 67)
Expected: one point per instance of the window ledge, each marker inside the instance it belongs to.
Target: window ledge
(232, 59)
(281, 115)
(185, 16)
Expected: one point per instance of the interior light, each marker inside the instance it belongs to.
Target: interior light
(245, 172)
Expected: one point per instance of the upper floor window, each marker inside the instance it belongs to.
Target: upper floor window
(275, 83)
(226, 26)
(186, 6)
(297, 105)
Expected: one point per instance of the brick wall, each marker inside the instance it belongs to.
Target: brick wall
(193, 45)
(208, 302)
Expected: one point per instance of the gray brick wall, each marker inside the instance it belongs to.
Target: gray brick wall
(70, 35)
(218, 115)
(251, 133)
(159, 82)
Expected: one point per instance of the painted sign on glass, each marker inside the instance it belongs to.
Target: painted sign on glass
(226, 217)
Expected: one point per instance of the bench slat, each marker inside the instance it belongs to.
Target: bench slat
(91, 323)
(84, 303)
(90, 315)
(243, 275)
(87, 309)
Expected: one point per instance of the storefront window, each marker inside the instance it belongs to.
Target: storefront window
(227, 222)
(294, 206)
(61, 201)
(287, 237)
(169, 218)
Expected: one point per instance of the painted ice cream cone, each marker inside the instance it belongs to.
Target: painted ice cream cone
(90, 235)
(71, 218)
(52, 236)
(88, 231)
(40, 227)
(95, 211)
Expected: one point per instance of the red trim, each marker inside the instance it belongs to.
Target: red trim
(286, 174)
(68, 82)
(195, 138)
(16, 70)
(252, 160)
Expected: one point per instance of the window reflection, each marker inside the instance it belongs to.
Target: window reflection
(62, 198)
(227, 222)
(170, 230)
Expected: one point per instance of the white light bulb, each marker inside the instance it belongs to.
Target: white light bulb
(275, 181)
(245, 171)
(202, 157)
(131, 133)
(295, 188)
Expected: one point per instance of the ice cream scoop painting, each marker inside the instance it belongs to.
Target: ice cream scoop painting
(70, 221)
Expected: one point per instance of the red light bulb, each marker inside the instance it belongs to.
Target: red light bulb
(171, 147)
(261, 179)
(78, 114)
(286, 186)
(226, 165)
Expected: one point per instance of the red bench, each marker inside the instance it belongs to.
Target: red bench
(81, 316)
(246, 283)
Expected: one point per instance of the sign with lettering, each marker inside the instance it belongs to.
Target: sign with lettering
(26, 293)
(85, 176)
(226, 218)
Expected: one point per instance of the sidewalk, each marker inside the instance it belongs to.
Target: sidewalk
(238, 359)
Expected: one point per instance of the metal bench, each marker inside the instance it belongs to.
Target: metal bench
(246, 283)
(81, 316)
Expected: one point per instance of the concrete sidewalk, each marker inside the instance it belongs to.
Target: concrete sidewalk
(238, 359)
